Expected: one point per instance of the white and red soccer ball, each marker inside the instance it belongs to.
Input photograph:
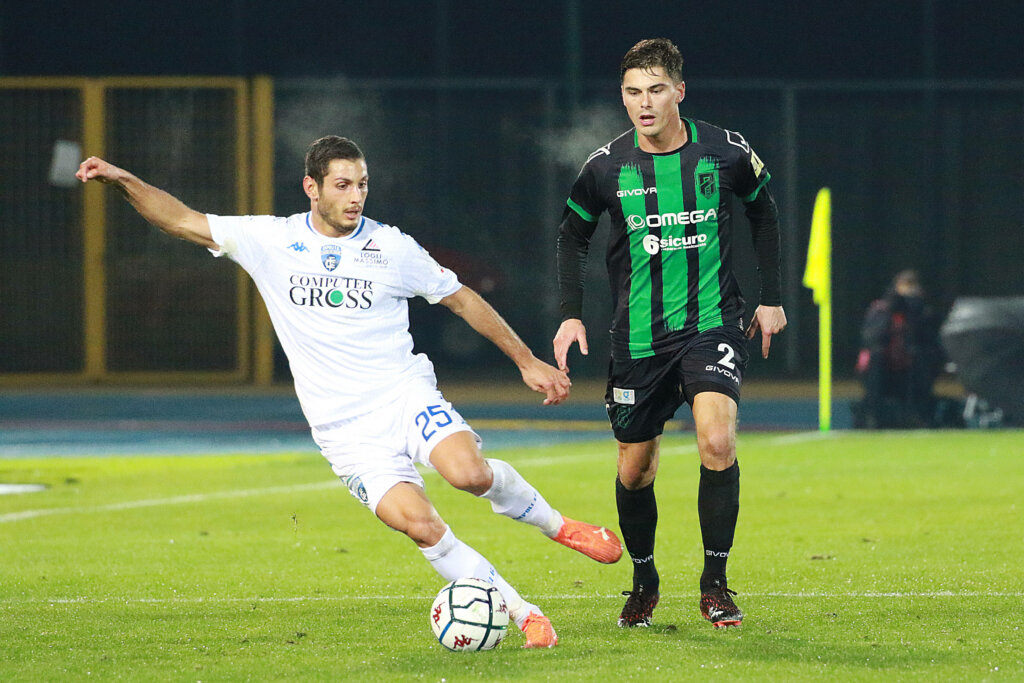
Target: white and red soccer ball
(469, 614)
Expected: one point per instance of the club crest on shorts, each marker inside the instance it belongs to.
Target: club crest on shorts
(330, 256)
(356, 488)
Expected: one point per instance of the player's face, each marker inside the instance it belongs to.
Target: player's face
(338, 202)
(652, 101)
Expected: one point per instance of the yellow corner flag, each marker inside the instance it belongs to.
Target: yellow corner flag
(818, 278)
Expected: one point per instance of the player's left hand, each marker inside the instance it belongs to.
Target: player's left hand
(546, 379)
(770, 320)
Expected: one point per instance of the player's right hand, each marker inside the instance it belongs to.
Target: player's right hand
(95, 168)
(547, 380)
(571, 330)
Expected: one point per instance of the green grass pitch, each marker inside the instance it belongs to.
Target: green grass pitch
(859, 556)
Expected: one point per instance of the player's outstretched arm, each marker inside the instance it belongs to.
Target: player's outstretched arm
(481, 316)
(769, 320)
(569, 332)
(161, 209)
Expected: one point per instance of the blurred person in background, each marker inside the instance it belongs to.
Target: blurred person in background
(900, 358)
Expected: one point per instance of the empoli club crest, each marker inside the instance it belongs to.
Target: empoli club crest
(330, 256)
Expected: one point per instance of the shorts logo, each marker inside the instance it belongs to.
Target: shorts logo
(330, 256)
(722, 371)
(624, 396)
(356, 488)
(619, 415)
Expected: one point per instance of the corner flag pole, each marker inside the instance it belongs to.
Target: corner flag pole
(818, 278)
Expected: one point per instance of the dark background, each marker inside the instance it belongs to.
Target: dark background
(862, 39)
(912, 112)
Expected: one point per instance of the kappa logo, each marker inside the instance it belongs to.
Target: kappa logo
(297, 246)
(462, 641)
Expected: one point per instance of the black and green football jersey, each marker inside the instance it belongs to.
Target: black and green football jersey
(670, 248)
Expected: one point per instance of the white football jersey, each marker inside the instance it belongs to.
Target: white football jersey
(339, 305)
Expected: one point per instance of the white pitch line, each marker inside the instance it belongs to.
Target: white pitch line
(801, 437)
(382, 598)
(244, 493)
(220, 495)
(174, 500)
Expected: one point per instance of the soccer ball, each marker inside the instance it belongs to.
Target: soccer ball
(469, 614)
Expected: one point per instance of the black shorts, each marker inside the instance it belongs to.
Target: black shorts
(643, 394)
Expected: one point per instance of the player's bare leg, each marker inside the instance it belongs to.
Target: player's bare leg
(638, 521)
(717, 503)
(406, 508)
(458, 459)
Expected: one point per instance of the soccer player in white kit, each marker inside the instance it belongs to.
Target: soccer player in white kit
(337, 284)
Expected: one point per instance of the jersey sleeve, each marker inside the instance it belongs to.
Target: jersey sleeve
(241, 238)
(584, 198)
(579, 221)
(422, 276)
(751, 174)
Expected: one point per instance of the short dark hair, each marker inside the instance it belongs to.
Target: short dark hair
(325, 150)
(651, 53)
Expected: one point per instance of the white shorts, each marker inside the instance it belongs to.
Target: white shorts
(373, 452)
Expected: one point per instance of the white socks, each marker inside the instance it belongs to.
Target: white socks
(514, 497)
(453, 559)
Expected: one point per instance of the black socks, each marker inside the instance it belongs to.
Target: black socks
(638, 519)
(718, 504)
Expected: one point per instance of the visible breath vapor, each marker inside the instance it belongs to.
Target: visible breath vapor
(593, 126)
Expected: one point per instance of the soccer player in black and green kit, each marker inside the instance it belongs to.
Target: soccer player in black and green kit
(678, 328)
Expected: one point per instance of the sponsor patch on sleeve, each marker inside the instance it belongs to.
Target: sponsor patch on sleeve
(756, 162)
